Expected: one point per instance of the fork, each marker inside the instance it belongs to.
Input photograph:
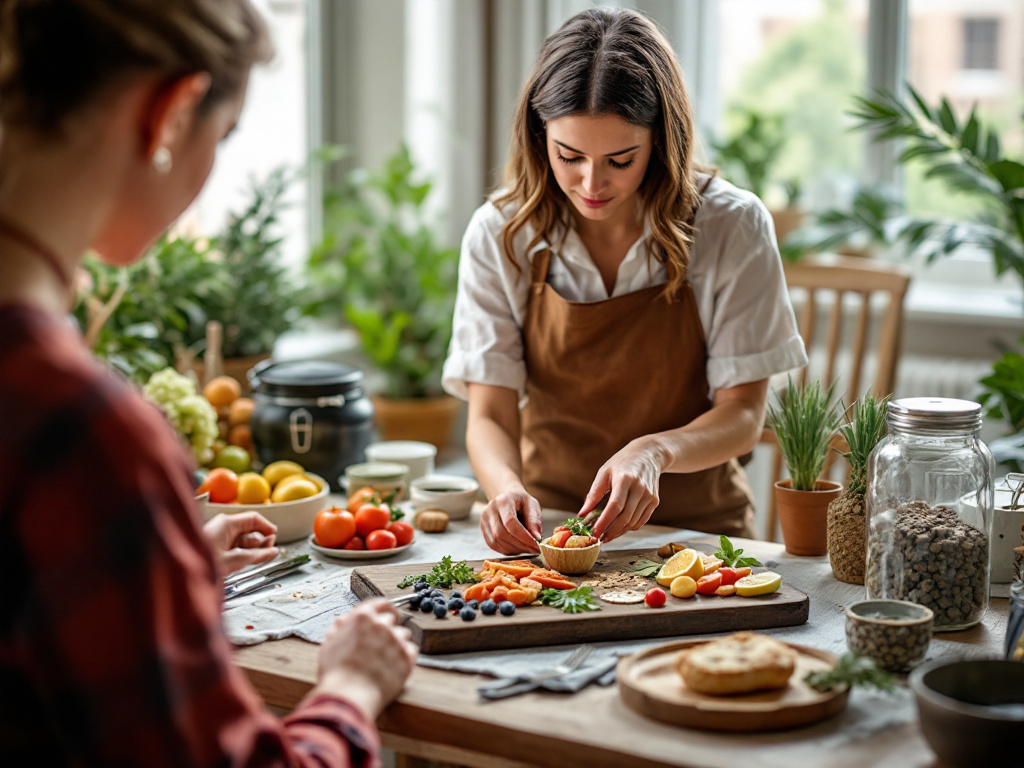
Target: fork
(514, 685)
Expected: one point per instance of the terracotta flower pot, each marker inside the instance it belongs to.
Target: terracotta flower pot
(426, 419)
(803, 516)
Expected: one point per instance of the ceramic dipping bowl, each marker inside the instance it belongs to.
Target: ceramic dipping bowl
(972, 712)
(894, 633)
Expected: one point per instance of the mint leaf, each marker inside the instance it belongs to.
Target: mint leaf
(731, 557)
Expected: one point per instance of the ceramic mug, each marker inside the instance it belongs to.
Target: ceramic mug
(416, 455)
(389, 479)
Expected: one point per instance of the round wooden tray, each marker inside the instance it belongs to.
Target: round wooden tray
(650, 685)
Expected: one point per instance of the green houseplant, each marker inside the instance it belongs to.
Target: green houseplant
(846, 522)
(870, 222)
(381, 265)
(804, 420)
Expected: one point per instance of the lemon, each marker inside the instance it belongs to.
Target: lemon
(276, 471)
(686, 562)
(252, 488)
(758, 584)
(299, 489)
(683, 586)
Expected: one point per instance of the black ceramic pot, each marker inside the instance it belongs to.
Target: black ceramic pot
(312, 412)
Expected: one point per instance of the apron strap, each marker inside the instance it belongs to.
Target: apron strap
(539, 267)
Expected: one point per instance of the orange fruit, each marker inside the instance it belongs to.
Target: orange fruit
(240, 410)
(222, 391)
(240, 435)
(222, 484)
(252, 488)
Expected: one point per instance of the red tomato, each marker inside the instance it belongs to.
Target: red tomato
(361, 497)
(372, 517)
(403, 532)
(558, 538)
(334, 527)
(355, 543)
(222, 484)
(655, 597)
(381, 539)
(560, 528)
(707, 584)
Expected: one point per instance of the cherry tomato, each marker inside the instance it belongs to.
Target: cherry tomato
(359, 498)
(334, 527)
(381, 539)
(707, 584)
(222, 484)
(355, 543)
(558, 538)
(655, 597)
(403, 532)
(372, 517)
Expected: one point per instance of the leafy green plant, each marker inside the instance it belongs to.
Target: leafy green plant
(380, 263)
(444, 574)
(804, 420)
(577, 600)
(862, 433)
(872, 219)
(749, 156)
(1003, 399)
(852, 670)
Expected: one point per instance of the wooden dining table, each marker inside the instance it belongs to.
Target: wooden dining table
(439, 717)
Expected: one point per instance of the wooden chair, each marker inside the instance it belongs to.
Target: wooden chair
(841, 283)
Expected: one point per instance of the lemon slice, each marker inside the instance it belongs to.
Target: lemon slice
(711, 563)
(758, 584)
(686, 562)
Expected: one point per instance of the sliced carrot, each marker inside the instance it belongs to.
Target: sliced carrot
(551, 581)
(515, 568)
(499, 593)
(517, 596)
(477, 592)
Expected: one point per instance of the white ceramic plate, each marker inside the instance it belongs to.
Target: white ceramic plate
(356, 554)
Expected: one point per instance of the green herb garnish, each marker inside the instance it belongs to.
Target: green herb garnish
(444, 574)
(577, 527)
(853, 669)
(731, 557)
(570, 600)
(396, 514)
(646, 567)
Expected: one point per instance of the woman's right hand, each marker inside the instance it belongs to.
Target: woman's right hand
(511, 523)
(366, 657)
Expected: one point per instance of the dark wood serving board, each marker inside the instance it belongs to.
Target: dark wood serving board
(533, 625)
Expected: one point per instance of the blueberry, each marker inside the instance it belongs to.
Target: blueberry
(435, 592)
(415, 601)
(456, 593)
(455, 604)
(507, 608)
(474, 604)
(440, 610)
(421, 586)
(467, 613)
(489, 607)
(426, 606)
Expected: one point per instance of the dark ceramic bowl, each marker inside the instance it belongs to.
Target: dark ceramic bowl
(972, 712)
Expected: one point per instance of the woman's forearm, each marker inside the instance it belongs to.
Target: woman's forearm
(492, 439)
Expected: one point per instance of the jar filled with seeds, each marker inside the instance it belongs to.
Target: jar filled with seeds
(929, 510)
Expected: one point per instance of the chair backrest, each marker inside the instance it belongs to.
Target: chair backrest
(834, 298)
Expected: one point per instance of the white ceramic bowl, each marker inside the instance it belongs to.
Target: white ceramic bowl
(387, 478)
(294, 519)
(452, 493)
(417, 456)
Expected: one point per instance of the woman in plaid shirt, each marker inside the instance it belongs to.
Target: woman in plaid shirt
(111, 645)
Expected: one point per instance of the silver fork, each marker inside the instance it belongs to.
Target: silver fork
(513, 685)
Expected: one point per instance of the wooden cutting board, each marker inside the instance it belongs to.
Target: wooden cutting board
(533, 625)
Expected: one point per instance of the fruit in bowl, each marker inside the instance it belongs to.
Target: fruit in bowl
(571, 548)
(284, 493)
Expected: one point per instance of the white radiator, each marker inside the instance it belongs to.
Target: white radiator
(919, 376)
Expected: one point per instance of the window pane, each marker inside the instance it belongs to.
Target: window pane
(797, 61)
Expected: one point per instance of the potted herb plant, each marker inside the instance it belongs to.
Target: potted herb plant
(381, 266)
(804, 420)
(846, 523)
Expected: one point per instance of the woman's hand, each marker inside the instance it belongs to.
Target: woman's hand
(240, 540)
(511, 523)
(630, 479)
(366, 657)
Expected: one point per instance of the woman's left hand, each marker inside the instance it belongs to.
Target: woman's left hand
(240, 540)
(630, 478)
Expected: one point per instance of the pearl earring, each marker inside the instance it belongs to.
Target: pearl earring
(162, 161)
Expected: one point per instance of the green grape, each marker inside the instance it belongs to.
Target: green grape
(189, 413)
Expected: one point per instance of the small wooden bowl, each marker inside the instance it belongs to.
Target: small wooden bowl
(574, 560)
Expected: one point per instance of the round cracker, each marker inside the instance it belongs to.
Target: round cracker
(623, 596)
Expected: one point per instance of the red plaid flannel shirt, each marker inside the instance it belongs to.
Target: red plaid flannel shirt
(112, 650)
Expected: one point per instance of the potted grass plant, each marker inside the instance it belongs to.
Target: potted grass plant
(846, 524)
(804, 419)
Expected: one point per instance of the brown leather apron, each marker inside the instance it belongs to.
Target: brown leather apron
(603, 373)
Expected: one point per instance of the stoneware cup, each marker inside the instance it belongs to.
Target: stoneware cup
(386, 478)
(894, 633)
(417, 456)
(453, 494)
(803, 516)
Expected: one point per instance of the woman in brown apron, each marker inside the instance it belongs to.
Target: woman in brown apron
(576, 303)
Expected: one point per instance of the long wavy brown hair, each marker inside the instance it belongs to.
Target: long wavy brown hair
(606, 61)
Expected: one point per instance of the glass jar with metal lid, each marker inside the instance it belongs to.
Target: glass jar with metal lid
(929, 510)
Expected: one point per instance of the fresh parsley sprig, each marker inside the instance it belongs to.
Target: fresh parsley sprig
(444, 574)
(853, 669)
(570, 600)
(577, 527)
(646, 567)
(732, 557)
